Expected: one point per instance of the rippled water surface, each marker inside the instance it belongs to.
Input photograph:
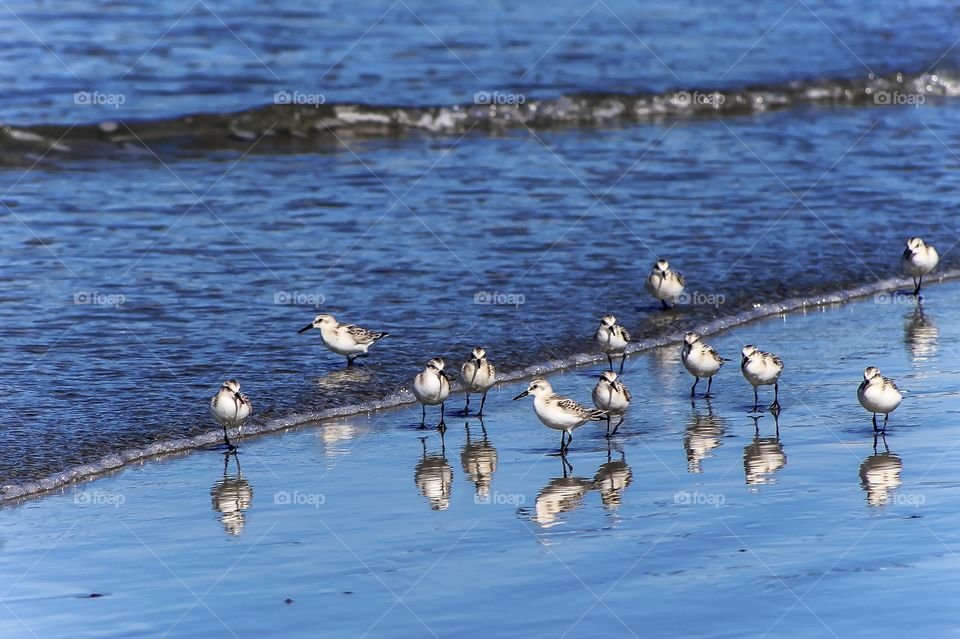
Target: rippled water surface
(140, 276)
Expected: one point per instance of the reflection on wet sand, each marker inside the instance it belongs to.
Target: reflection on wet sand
(348, 378)
(334, 433)
(764, 456)
(561, 495)
(479, 461)
(433, 476)
(612, 479)
(880, 474)
(231, 496)
(704, 432)
(920, 334)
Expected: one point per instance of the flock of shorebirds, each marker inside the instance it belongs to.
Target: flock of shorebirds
(431, 387)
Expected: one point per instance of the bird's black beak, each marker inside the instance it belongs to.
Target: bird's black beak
(306, 328)
(521, 395)
(478, 361)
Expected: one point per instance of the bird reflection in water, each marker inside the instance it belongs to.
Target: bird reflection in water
(880, 473)
(479, 461)
(334, 434)
(764, 456)
(704, 432)
(561, 495)
(231, 496)
(920, 334)
(612, 479)
(434, 476)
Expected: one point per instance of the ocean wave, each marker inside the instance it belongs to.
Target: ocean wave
(12, 493)
(291, 125)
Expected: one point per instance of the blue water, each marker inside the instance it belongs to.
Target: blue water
(191, 253)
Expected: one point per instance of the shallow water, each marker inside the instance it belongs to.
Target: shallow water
(139, 278)
(689, 522)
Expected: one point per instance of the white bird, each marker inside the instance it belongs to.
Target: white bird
(477, 375)
(918, 260)
(344, 339)
(878, 394)
(663, 283)
(700, 359)
(559, 413)
(762, 369)
(612, 339)
(431, 387)
(612, 397)
(230, 407)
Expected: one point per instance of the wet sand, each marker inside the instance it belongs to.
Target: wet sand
(695, 519)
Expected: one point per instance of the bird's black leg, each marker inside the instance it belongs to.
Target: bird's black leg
(483, 401)
(623, 360)
(875, 429)
(423, 416)
(776, 396)
(226, 440)
(919, 284)
(563, 438)
(466, 408)
(696, 380)
(886, 416)
(350, 360)
(756, 399)
(709, 384)
(441, 415)
(609, 361)
(666, 306)
(617, 427)
(608, 426)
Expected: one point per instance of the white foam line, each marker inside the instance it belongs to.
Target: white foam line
(16, 492)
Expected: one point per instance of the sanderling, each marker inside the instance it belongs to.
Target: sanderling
(559, 413)
(344, 339)
(612, 397)
(230, 407)
(613, 340)
(918, 260)
(663, 283)
(701, 359)
(477, 375)
(431, 387)
(762, 369)
(878, 394)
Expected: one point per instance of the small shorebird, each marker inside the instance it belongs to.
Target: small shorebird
(344, 339)
(431, 387)
(477, 375)
(663, 283)
(230, 407)
(918, 260)
(613, 340)
(762, 369)
(612, 397)
(559, 413)
(878, 394)
(701, 360)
